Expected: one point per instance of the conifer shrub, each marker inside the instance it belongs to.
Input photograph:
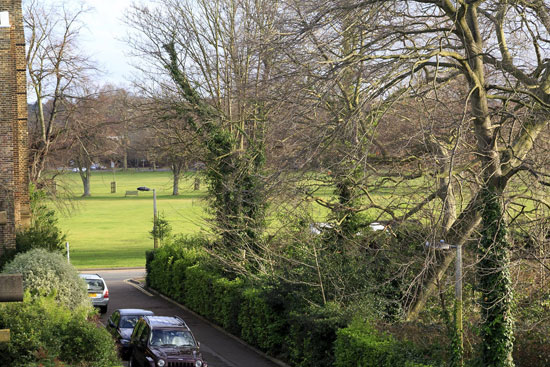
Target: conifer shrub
(45, 273)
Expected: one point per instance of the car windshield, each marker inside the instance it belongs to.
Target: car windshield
(95, 285)
(128, 321)
(175, 338)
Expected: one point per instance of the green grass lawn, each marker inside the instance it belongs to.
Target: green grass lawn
(111, 230)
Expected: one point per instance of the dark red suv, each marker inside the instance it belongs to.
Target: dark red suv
(164, 341)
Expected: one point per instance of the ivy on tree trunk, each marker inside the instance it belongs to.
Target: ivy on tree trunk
(495, 285)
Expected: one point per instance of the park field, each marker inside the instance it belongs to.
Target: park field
(109, 230)
(112, 230)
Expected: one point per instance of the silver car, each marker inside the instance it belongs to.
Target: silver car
(97, 291)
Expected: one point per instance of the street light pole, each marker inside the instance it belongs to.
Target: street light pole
(155, 219)
(458, 300)
(155, 234)
(458, 294)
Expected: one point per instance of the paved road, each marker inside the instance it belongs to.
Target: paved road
(218, 349)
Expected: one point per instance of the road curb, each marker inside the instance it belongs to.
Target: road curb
(237, 339)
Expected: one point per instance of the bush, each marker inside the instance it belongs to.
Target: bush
(312, 335)
(360, 344)
(87, 343)
(46, 272)
(166, 265)
(44, 332)
(266, 315)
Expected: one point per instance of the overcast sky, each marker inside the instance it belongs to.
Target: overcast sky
(102, 39)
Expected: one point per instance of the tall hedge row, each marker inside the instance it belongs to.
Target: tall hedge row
(360, 344)
(267, 316)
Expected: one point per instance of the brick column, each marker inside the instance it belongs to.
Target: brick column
(14, 181)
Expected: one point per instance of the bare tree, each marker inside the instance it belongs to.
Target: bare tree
(499, 49)
(90, 128)
(56, 66)
(217, 69)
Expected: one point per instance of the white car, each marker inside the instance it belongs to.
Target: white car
(97, 291)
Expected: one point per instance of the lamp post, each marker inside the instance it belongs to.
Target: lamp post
(458, 291)
(155, 239)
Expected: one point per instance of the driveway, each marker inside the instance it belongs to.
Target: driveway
(218, 348)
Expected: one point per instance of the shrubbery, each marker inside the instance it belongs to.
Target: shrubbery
(266, 314)
(362, 345)
(45, 272)
(44, 332)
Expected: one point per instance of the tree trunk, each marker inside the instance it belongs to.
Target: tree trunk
(125, 160)
(85, 176)
(175, 186)
(176, 172)
(493, 269)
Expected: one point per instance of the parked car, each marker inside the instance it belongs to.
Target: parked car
(164, 341)
(121, 324)
(97, 291)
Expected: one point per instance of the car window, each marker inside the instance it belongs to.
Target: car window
(178, 338)
(128, 321)
(95, 285)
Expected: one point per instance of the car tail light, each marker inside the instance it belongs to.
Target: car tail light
(106, 295)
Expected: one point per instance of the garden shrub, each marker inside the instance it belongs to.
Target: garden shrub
(198, 290)
(266, 314)
(85, 341)
(47, 272)
(312, 335)
(166, 265)
(227, 295)
(271, 315)
(263, 320)
(45, 332)
(360, 344)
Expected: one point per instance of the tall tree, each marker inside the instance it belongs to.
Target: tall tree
(499, 48)
(209, 60)
(56, 66)
(90, 128)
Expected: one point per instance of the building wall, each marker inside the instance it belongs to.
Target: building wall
(14, 182)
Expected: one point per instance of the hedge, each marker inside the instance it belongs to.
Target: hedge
(360, 344)
(266, 315)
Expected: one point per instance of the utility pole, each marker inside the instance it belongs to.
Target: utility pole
(442, 245)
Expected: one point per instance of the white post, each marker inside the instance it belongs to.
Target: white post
(68, 256)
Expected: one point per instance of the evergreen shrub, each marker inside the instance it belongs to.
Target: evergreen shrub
(166, 266)
(263, 320)
(267, 314)
(45, 332)
(312, 335)
(360, 344)
(46, 272)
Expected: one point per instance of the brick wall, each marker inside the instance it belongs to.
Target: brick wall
(14, 182)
